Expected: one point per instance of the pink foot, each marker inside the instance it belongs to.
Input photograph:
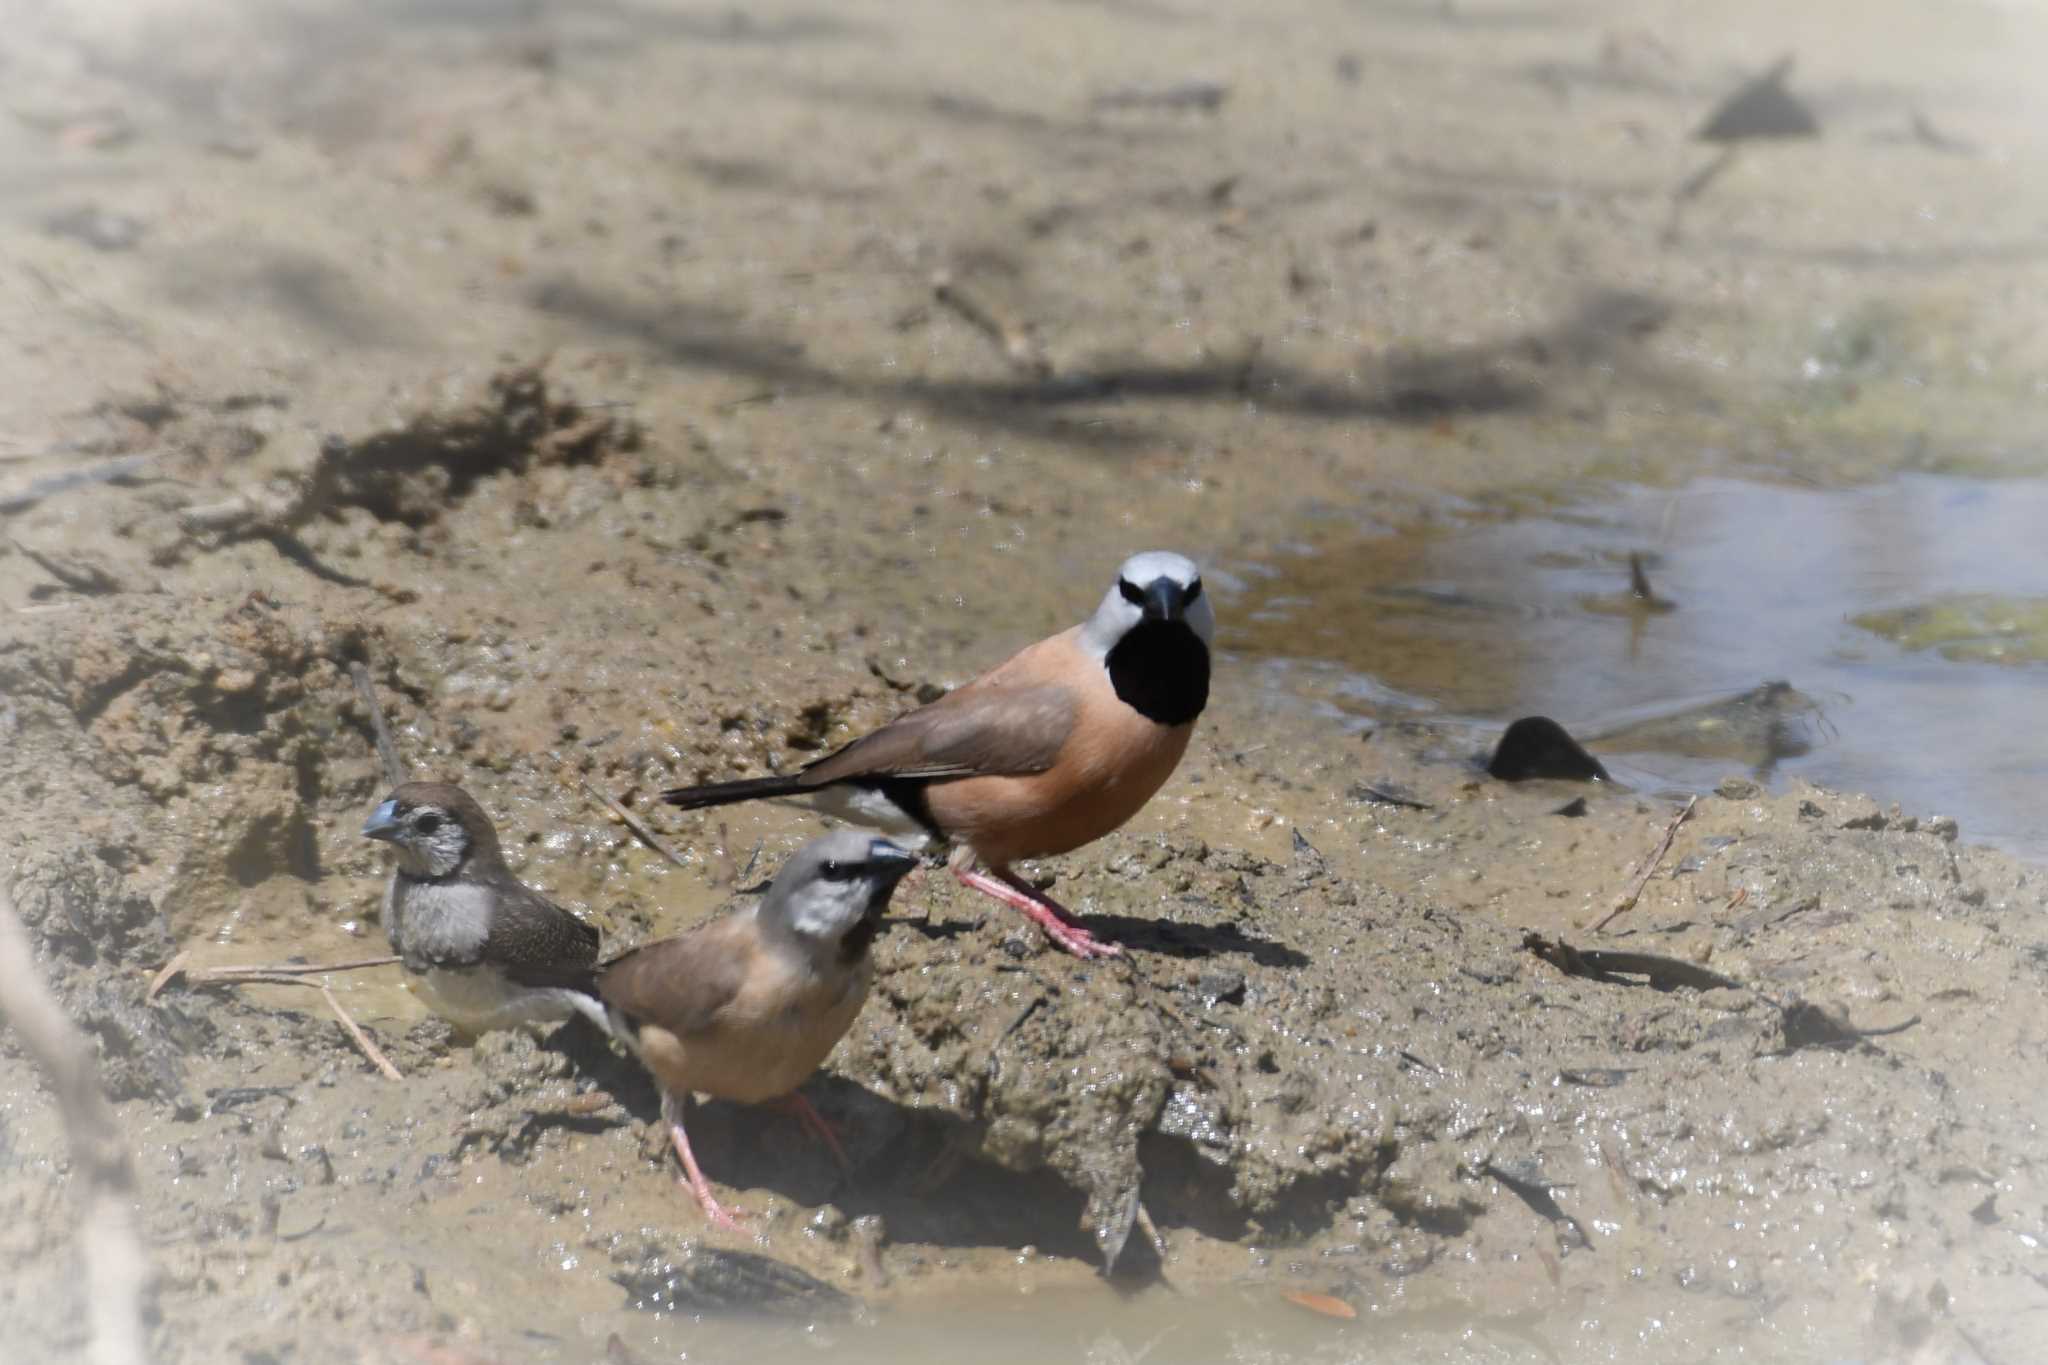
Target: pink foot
(796, 1106)
(694, 1176)
(1043, 911)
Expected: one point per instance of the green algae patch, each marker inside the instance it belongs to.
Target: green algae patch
(1971, 627)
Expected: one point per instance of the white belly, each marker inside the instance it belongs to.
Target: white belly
(478, 1000)
(869, 809)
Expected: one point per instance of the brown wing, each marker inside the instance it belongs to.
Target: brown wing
(977, 731)
(536, 942)
(679, 983)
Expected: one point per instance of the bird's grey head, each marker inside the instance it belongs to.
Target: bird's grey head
(833, 885)
(434, 827)
(1157, 585)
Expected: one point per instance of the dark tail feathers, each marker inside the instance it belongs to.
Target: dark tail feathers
(726, 793)
(581, 979)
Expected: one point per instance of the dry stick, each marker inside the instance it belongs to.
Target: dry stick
(1016, 344)
(228, 976)
(634, 823)
(1695, 185)
(209, 974)
(104, 472)
(380, 728)
(370, 1049)
(1642, 877)
(1692, 187)
(116, 1270)
(247, 976)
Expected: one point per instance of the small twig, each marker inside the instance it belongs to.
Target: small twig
(230, 975)
(634, 823)
(295, 976)
(380, 728)
(370, 1049)
(1536, 1194)
(1206, 96)
(108, 471)
(164, 975)
(1642, 877)
(1639, 585)
(218, 517)
(1016, 343)
(110, 1243)
(88, 579)
(1694, 185)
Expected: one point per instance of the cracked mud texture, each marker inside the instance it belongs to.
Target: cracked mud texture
(620, 433)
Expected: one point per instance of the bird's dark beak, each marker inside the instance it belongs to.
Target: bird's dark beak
(891, 862)
(383, 822)
(1165, 600)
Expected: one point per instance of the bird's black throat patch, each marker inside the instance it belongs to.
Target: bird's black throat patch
(854, 944)
(907, 794)
(1160, 669)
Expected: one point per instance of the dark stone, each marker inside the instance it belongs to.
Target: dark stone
(1537, 746)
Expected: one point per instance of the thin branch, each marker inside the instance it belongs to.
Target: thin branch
(1642, 878)
(211, 975)
(380, 728)
(635, 823)
(1015, 342)
(110, 1243)
(214, 976)
(293, 976)
(107, 471)
(370, 1049)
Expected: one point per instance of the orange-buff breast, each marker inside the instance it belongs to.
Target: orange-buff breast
(1111, 765)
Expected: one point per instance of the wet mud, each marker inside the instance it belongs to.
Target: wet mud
(629, 442)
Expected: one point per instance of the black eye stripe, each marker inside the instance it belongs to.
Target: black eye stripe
(1194, 591)
(836, 871)
(1131, 591)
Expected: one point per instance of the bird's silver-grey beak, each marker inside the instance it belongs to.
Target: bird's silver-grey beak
(1165, 600)
(892, 862)
(383, 822)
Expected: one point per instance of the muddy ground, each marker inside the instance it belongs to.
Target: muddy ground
(581, 371)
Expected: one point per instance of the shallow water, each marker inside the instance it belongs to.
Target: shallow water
(1250, 1325)
(1495, 618)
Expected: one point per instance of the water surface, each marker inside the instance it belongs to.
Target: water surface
(1491, 618)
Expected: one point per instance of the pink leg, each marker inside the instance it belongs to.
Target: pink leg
(1045, 912)
(672, 1110)
(795, 1105)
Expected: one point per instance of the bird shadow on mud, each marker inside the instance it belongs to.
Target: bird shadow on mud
(1078, 405)
(1182, 939)
(919, 1169)
(912, 1166)
(1161, 938)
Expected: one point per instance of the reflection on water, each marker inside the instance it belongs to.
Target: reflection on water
(1253, 1325)
(1494, 620)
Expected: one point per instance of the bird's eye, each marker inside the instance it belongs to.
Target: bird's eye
(836, 871)
(1194, 591)
(426, 822)
(1133, 594)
